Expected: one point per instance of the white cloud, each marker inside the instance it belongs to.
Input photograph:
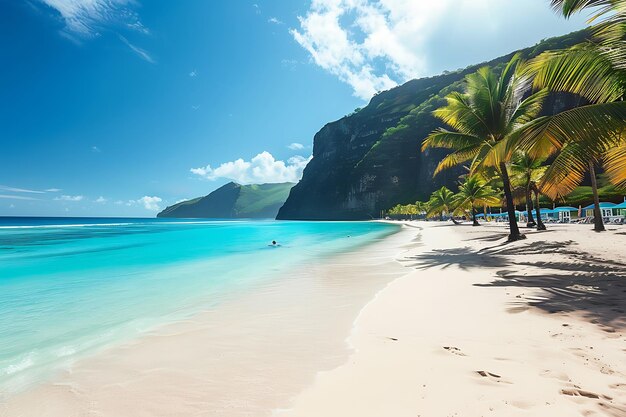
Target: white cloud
(100, 200)
(16, 197)
(275, 21)
(73, 198)
(150, 203)
(138, 27)
(89, 17)
(263, 168)
(142, 53)
(296, 146)
(19, 190)
(374, 45)
(193, 74)
(53, 190)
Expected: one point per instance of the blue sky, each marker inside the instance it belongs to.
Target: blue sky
(121, 107)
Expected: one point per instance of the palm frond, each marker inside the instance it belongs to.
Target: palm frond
(458, 157)
(582, 70)
(615, 164)
(461, 115)
(570, 7)
(593, 127)
(442, 138)
(566, 172)
(529, 108)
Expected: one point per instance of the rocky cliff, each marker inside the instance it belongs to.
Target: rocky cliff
(370, 160)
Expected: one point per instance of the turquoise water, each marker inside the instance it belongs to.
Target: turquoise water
(69, 287)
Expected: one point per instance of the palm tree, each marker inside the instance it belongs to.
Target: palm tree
(586, 136)
(528, 171)
(608, 52)
(474, 191)
(441, 203)
(421, 207)
(483, 118)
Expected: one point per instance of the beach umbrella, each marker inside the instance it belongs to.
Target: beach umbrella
(620, 206)
(604, 204)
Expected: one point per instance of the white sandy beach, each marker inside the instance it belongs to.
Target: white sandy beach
(461, 326)
(534, 328)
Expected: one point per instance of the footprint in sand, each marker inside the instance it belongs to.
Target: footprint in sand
(490, 376)
(454, 350)
(576, 392)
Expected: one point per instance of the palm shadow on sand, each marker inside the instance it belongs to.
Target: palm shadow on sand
(574, 282)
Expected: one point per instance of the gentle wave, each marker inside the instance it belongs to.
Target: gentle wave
(63, 226)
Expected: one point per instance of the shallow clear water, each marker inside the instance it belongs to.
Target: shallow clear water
(69, 287)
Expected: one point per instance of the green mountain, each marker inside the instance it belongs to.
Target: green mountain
(371, 160)
(233, 201)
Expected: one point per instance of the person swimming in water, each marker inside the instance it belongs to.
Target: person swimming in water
(274, 244)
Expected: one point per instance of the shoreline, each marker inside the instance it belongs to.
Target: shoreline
(250, 354)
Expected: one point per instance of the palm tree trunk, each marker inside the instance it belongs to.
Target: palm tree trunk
(514, 233)
(597, 214)
(475, 222)
(540, 225)
(529, 208)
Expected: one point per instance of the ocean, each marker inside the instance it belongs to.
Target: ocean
(70, 287)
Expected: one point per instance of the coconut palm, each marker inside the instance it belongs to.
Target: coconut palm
(607, 52)
(441, 203)
(421, 207)
(579, 140)
(486, 114)
(586, 136)
(528, 171)
(475, 192)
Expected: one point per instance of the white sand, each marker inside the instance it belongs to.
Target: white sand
(466, 327)
(501, 333)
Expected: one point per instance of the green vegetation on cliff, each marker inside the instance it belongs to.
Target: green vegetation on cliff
(370, 160)
(234, 201)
